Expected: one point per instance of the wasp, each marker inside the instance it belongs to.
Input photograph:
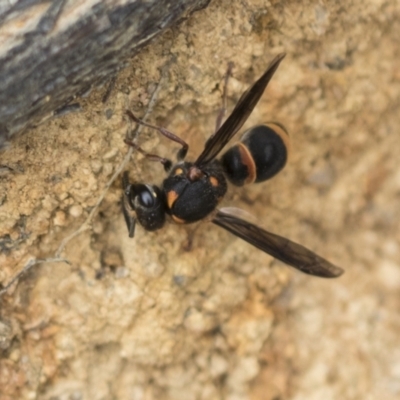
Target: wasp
(193, 190)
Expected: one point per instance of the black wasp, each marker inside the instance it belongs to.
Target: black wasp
(193, 190)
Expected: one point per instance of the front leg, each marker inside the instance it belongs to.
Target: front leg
(185, 147)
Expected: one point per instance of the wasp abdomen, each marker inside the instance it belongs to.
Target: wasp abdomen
(261, 154)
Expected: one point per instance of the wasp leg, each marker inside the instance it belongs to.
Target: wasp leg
(152, 157)
(187, 245)
(181, 153)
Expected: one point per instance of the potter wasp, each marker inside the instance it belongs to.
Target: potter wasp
(193, 190)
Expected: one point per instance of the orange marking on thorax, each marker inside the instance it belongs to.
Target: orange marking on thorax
(171, 198)
(177, 219)
(214, 181)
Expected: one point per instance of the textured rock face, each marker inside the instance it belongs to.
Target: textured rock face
(151, 319)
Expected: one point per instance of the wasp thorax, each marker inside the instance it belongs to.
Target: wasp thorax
(189, 199)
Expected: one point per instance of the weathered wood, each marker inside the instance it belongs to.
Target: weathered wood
(52, 51)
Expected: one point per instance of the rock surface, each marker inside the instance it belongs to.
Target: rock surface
(148, 318)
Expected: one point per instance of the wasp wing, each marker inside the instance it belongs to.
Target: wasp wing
(239, 115)
(278, 247)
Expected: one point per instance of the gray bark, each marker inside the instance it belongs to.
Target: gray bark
(53, 51)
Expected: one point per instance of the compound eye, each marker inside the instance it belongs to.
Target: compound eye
(143, 196)
(146, 199)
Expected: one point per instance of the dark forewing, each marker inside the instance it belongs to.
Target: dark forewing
(239, 115)
(279, 247)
